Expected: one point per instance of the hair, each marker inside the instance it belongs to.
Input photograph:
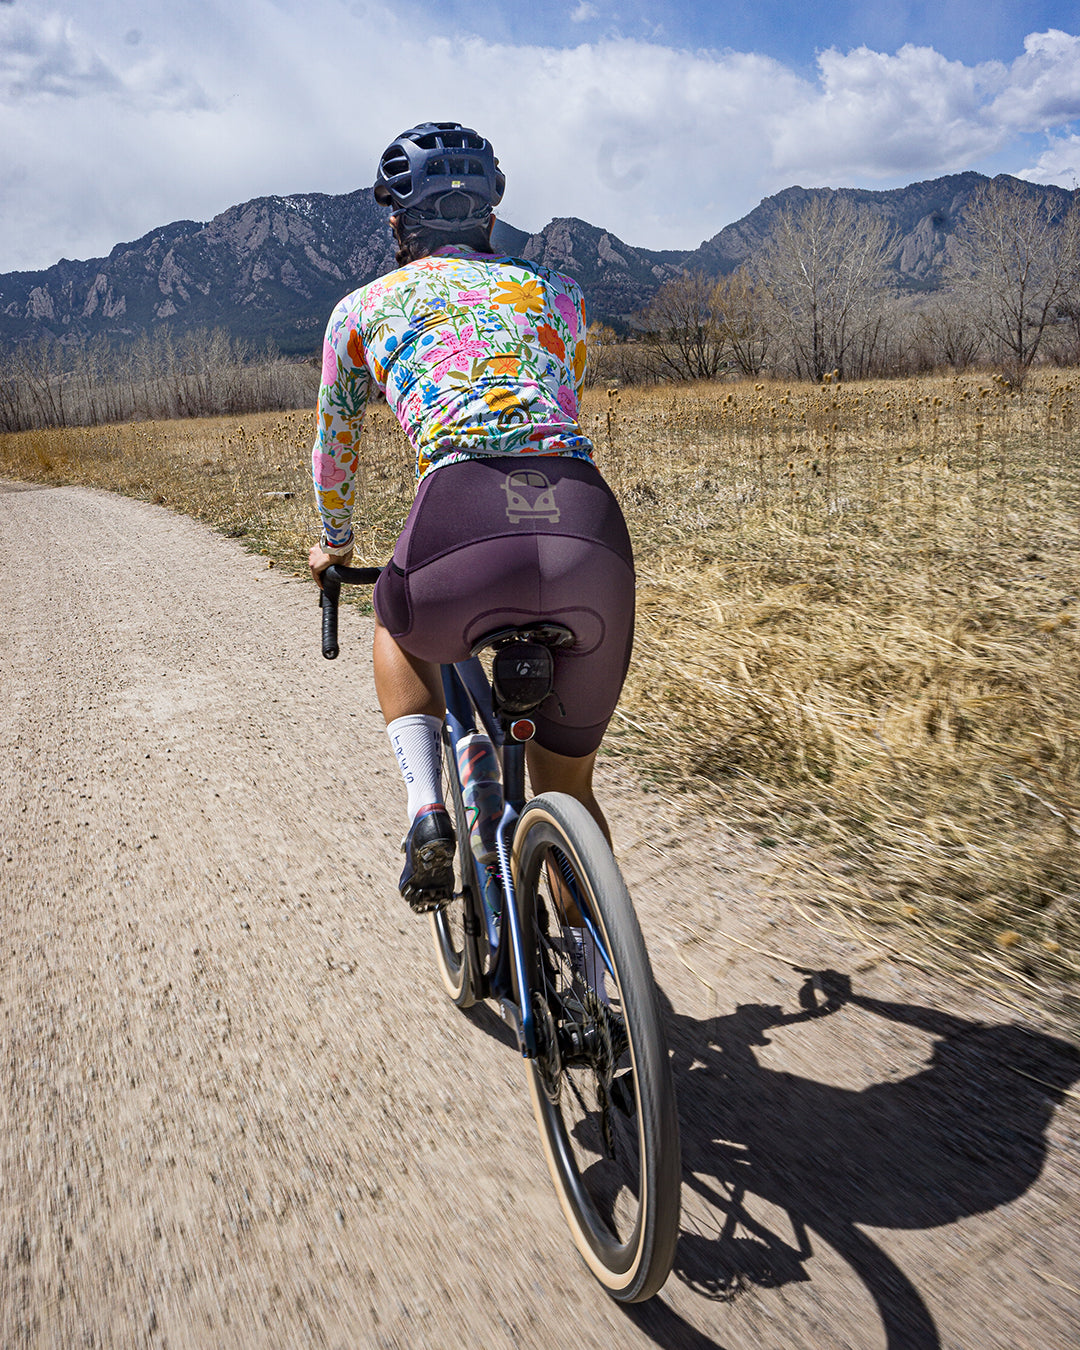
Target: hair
(415, 241)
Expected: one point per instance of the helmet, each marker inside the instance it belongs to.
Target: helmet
(442, 173)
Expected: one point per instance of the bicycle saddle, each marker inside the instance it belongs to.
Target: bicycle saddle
(540, 634)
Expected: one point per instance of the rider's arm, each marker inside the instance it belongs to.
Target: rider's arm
(343, 396)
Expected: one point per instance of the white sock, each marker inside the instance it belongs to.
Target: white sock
(417, 745)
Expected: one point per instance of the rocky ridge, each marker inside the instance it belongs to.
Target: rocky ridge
(273, 268)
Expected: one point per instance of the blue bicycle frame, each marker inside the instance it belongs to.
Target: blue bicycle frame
(468, 696)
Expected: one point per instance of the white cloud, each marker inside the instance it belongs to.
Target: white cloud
(1043, 88)
(127, 118)
(878, 115)
(53, 59)
(1058, 164)
(584, 12)
(43, 59)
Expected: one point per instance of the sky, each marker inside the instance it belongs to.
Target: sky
(661, 121)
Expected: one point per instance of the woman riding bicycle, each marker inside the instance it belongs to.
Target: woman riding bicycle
(482, 358)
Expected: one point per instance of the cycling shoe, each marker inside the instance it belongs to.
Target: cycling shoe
(427, 881)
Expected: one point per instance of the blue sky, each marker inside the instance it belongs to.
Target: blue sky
(660, 121)
(961, 30)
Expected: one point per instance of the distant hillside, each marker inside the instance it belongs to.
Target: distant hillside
(616, 278)
(274, 267)
(924, 216)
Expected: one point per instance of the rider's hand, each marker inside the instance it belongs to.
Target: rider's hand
(824, 991)
(319, 560)
(836, 986)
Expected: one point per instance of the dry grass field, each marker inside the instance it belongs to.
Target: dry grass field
(858, 625)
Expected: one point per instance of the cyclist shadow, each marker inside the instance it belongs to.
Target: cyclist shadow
(961, 1136)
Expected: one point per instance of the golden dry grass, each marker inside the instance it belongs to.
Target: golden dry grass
(857, 632)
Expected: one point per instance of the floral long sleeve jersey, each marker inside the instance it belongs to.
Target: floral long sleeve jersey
(478, 355)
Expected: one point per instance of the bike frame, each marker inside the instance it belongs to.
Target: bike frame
(468, 697)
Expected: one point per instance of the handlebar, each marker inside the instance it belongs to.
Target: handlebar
(332, 581)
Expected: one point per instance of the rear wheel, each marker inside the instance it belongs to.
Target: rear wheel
(601, 1082)
(455, 949)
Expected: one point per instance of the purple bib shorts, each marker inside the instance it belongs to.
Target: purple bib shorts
(514, 540)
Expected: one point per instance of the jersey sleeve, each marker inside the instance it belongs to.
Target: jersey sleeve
(343, 395)
(581, 346)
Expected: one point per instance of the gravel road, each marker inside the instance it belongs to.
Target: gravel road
(239, 1111)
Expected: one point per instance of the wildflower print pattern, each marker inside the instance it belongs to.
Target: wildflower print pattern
(477, 355)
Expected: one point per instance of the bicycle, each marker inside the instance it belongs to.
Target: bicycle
(599, 1069)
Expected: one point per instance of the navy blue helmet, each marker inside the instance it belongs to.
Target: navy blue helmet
(443, 174)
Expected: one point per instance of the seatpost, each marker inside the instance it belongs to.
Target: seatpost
(513, 768)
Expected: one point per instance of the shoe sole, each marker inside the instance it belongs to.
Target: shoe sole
(432, 883)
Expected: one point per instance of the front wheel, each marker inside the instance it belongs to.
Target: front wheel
(601, 1082)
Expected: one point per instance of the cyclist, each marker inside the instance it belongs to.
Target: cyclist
(482, 359)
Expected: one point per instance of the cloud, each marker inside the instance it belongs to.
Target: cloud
(879, 115)
(42, 58)
(876, 115)
(1058, 164)
(50, 57)
(105, 137)
(1043, 86)
(584, 12)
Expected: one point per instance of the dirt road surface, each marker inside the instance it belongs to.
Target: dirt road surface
(239, 1111)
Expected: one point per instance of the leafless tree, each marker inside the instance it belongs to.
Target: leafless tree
(740, 309)
(602, 341)
(200, 374)
(1018, 261)
(680, 329)
(947, 332)
(1064, 341)
(12, 415)
(825, 267)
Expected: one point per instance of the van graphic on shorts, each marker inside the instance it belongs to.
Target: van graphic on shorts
(529, 496)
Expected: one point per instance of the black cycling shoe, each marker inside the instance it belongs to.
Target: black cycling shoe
(427, 881)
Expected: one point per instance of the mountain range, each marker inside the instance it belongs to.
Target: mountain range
(274, 267)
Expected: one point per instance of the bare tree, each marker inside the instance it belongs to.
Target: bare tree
(740, 309)
(12, 404)
(948, 333)
(42, 370)
(602, 340)
(48, 384)
(825, 268)
(1064, 342)
(680, 329)
(1018, 261)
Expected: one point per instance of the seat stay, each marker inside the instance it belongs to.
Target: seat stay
(471, 697)
(509, 965)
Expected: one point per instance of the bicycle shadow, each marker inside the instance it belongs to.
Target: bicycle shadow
(963, 1135)
(484, 1018)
